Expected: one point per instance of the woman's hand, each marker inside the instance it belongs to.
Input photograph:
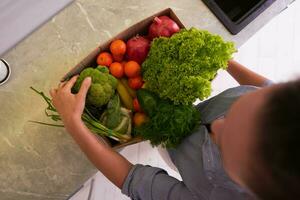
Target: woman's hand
(70, 106)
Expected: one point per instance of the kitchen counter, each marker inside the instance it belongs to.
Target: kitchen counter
(39, 162)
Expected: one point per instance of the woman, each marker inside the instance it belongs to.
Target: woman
(231, 159)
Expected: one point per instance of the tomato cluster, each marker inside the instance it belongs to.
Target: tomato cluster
(121, 68)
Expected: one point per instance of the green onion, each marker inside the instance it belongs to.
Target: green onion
(89, 120)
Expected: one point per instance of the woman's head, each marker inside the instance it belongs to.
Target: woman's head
(260, 141)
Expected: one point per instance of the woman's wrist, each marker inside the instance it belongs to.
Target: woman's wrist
(73, 123)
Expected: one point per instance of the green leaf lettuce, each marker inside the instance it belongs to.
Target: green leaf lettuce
(181, 68)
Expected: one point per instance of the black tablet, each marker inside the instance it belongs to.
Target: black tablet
(236, 14)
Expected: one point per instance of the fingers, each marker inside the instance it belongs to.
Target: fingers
(70, 83)
(62, 84)
(85, 87)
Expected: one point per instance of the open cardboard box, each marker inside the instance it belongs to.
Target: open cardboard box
(140, 28)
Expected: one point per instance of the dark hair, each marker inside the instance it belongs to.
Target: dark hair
(278, 145)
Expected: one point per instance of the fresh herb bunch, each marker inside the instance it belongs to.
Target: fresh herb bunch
(180, 68)
(89, 120)
(168, 123)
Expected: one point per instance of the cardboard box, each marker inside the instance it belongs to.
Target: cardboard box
(140, 28)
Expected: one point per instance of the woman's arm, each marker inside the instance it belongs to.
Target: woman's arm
(114, 166)
(245, 76)
(70, 107)
(144, 182)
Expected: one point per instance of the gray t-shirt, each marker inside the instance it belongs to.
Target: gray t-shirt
(198, 161)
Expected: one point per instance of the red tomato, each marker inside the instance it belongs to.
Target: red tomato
(105, 59)
(136, 105)
(118, 58)
(135, 83)
(123, 63)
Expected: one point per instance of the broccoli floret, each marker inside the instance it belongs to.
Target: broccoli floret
(103, 69)
(102, 88)
(112, 81)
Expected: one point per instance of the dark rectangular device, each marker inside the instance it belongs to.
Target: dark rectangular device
(236, 14)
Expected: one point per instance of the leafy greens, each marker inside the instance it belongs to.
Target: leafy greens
(169, 123)
(180, 68)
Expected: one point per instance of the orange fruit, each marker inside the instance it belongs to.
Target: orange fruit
(118, 47)
(132, 69)
(116, 69)
(135, 83)
(139, 119)
(105, 59)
